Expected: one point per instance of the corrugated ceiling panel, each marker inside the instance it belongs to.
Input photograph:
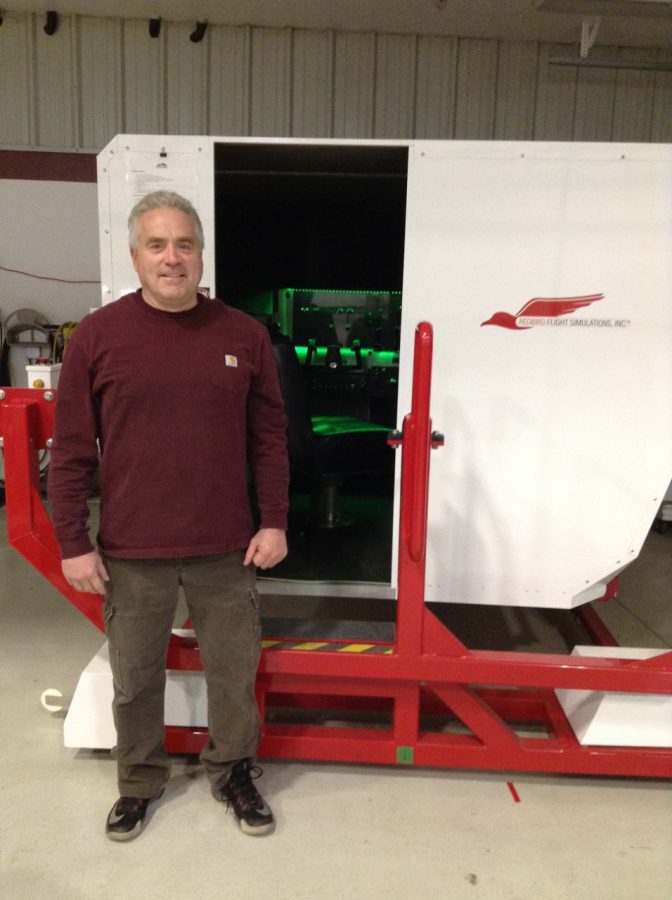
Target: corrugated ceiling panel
(661, 125)
(395, 86)
(229, 108)
(56, 66)
(16, 78)
(596, 89)
(186, 80)
(312, 83)
(354, 70)
(556, 95)
(516, 90)
(476, 87)
(435, 87)
(271, 82)
(143, 79)
(100, 54)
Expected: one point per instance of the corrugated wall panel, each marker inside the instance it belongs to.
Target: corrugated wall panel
(476, 87)
(312, 83)
(556, 95)
(354, 75)
(57, 88)
(16, 77)
(632, 113)
(516, 90)
(661, 124)
(394, 98)
(186, 80)
(230, 54)
(96, 77)
(100, 80)
(271, 82)
(435, 87)
(144, 82)
(596, 89)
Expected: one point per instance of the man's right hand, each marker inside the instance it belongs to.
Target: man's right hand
(86, 573)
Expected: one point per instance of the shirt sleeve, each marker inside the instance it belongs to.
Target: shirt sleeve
(74, 454)
(267, 440)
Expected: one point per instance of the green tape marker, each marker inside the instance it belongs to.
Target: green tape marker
(405, 755)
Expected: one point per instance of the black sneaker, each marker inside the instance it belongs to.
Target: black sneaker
(127, 817)
(253, 813)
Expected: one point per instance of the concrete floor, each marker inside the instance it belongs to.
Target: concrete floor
(356, 831)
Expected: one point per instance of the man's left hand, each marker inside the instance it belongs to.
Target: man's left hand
(267, 548)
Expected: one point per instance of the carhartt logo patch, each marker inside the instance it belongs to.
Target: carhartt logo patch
(231, 360)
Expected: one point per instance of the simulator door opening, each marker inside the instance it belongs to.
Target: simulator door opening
(310, 241)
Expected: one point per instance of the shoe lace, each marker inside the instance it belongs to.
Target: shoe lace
(243, 790)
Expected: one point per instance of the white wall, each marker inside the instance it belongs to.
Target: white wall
(48, 228)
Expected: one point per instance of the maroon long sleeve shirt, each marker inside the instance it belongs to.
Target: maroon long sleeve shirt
(179, 404)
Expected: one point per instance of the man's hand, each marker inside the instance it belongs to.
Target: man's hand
(86, 573)
(267, 548)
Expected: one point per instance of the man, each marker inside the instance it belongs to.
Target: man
(171, 395)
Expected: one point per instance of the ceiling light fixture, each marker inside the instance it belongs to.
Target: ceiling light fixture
(198, 33)
(646, 9)
(51, 24)
(590, 25)
(593, 62)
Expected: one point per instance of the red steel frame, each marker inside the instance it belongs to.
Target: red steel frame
(424, 699)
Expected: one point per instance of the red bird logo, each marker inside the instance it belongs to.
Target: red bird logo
(538, 307)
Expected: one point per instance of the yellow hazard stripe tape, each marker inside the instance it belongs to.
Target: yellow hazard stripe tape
(356, 648)
(311, 645)
(325, 645)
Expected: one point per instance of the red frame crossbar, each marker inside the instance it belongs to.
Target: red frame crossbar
(423, 699)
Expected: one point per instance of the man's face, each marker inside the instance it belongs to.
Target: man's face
(168, 259)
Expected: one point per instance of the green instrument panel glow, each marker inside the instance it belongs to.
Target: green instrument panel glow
(349, 357)
(334, 291)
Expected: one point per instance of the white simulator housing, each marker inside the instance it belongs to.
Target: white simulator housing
(556, 414)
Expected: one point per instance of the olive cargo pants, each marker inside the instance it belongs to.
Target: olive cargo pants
(139, 612)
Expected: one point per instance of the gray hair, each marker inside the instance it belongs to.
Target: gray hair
(160, 200)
